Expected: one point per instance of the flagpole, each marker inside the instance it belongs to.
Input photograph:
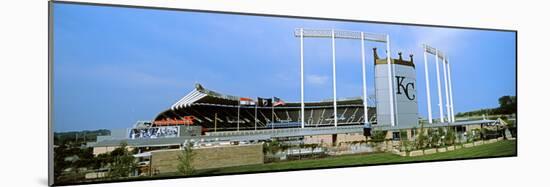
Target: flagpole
(215, 121)
(272, 115)
(255, 116)
(238, 115)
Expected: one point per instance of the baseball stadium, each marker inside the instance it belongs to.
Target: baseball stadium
(228, 130)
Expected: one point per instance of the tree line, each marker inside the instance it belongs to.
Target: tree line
(78, 137)
(508, 105)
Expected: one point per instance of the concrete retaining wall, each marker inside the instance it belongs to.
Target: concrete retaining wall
(478, 143)
(416, 153)
(210, 157)
(95, 175)
(430, 151)
(340, 138)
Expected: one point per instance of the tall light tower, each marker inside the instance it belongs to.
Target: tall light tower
(427, 85)
(447, 83)
(446, 79)
(450, 89)
(343, 34)
(440, 104)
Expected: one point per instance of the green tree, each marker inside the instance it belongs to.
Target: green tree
(59, 161)
(405, 143)
(186, 158)
(421, 138)
(86, 158)
(102, 160)
(433, 137)
(469, 137)
(271, 147)
(450, 136)
(123, 162)
(508, 104)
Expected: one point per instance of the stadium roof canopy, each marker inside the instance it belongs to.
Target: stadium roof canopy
(203, 96)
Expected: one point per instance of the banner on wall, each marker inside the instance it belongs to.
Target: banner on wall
(154, 132)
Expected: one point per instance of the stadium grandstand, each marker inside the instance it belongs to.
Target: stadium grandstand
(214, 111)
(209, 116)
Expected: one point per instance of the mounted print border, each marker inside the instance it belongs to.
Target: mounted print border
(145, 93)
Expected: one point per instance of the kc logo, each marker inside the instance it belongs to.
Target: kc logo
(405, 87)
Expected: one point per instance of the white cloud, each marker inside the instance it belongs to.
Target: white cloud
(316, 79)
(445, 39)
(118, 75)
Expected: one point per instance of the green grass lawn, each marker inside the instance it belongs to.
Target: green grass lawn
(503, 148)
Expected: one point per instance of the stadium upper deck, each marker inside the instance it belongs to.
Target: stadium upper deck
(214, 111)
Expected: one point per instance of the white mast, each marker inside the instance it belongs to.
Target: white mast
(427, 87)
(302, 107)
(390, 80)
(446, 90)
(450, 90)
(334, 80)
(439, 87)
(365, 107)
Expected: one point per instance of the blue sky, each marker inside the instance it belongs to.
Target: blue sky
(114, 66)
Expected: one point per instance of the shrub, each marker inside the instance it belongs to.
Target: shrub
(421, 138)
(186, 158)
(405, 143)
(450, 136)
(379, 136)
(436, 137)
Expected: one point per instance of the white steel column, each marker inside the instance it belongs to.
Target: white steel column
(439, 87)
(446, 90)
(302, 74)
(390, 80)
(238, 115)
(427, 87)
(395, 100)
(450, 91)
(334, 80)
(365, 107)
(354, 35)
